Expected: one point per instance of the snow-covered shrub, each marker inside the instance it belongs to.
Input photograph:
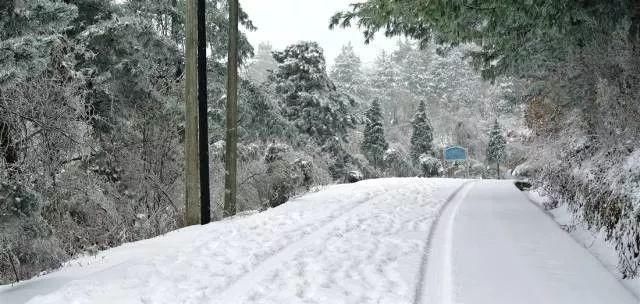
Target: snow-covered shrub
(397, 163)
(430, 166)
(341, 160)
(27, 244)
(627, 230)
(306, 169)
(16, 201)
(286, 173)
(524, 170)
(360, 163)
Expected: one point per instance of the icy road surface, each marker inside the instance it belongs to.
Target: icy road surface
(378, 241)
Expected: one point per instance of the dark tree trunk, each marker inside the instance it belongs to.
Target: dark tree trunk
(203, 127)
(13, 265)
(7, 145)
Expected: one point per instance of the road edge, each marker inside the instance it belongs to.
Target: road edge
(422, 280)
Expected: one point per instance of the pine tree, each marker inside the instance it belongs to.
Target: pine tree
(311, 101)
(387, 84)
(496, 150)
(422, 137)
(374, 144)
(346, 71)
(404, 50)
(262, 64)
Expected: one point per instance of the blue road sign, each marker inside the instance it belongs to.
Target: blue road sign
(455, 153)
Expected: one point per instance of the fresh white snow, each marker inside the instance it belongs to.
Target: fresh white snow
(370, 242)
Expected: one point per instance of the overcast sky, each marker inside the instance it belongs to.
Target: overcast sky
(283, 22)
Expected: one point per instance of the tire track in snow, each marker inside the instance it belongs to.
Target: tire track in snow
(372, 256)
(230, 294)
(435, 279)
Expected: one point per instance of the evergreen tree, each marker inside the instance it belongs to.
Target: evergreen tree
(374, 144)
(346, 71)
(32, 39)
(262, 64)
(416, 71)
(311, 100)
(387, 84)
(496, 150)
(404, 50)
(422, 137)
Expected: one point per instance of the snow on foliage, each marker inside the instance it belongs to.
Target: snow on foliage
(430, 165)
(397, 163)
(496, 149)
(374, 143)
(311, 101)
(422, 136)
(346, 71)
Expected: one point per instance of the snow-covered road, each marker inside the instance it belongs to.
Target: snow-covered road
(492, 245)
(378, 241)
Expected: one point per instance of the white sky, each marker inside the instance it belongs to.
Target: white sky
(283, 22)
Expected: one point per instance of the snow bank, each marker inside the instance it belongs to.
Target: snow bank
(357, 243)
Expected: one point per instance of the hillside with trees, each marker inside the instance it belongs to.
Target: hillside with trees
(92, 125)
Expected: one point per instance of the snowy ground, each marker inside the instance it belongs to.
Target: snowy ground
(377, 241)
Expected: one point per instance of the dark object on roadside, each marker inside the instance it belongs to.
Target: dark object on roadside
(353, 177)
(523, 185)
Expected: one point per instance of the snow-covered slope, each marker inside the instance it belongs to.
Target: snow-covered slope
(379, 241)
(357, 243)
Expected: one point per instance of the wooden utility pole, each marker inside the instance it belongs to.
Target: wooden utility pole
(232, 113)
(197, 197)
(192, 179)
(203, 118)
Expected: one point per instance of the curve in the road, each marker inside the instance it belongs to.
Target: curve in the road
(491, 246)
(434, 276)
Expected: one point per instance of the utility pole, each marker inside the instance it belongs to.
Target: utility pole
(196, 145)
(232, 113)
(205, 196)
